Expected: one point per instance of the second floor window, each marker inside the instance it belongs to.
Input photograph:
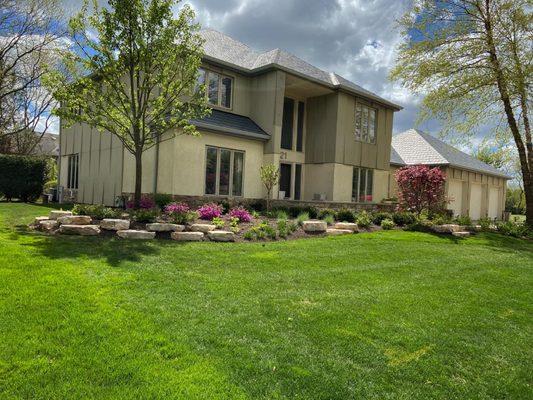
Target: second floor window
(73, 165)
(218, 87)
(365, 123)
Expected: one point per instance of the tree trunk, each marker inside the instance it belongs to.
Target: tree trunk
(528, 191)
(138, 179)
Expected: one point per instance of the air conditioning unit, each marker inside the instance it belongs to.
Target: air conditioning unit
(319, 196)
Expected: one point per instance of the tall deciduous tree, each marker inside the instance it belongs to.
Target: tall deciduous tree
(472, 61)
(134, 74)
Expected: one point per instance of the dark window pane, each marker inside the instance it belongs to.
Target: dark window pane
(369, 185)
(364, 124)
(212, 90)
(201, 78)
(226, 92)
(372, 126)
(300, 133)
(355, 184)
(238, 166)
(76, 173)
(223, 183)
(285, 179)
(286, 129)
(362, 185)
(298, 182)
(211, 171)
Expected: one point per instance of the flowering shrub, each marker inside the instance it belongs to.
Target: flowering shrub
(241, 214)
(421, 188)
(145, 203)
(179, 213)
(209, 211)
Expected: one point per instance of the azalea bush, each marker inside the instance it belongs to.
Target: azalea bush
(421, 188)
(146, 203)
(209, 211)
(179, 213)
(241, 214)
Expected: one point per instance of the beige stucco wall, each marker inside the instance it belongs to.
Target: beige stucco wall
(182, 165)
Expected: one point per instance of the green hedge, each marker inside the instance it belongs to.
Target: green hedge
(22, 177)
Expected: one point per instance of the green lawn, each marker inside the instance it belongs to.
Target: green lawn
(387, 315)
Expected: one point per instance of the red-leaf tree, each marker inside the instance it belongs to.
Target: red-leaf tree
(421, 188)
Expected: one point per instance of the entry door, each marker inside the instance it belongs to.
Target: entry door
(285, 180)
(475, 201)
(455, 193)
(494, 203)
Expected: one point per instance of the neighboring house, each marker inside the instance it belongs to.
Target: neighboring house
(48, 146)
(473, 187)
(330, 137)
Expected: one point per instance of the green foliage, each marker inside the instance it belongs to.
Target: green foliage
(364, 219)
(183, 218)
(326, 211)
(269, 174)
(22, 177)
(515, 200)
(145, 215)
(218, 222)
(380, 216)
(515, 229)
(329, 219)
(421, 224)
(463, 220)
(441, 219)
(345, 215)
(283, 228)
(294, 211)
(96, 211)
(162, 200)
(387, 224)
(261, 231)
(403, 218)
(282, 214)
(234, 222)
(485, 223)
(51, 174)
(302, 217)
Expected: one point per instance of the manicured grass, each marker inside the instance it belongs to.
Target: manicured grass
(387, 315)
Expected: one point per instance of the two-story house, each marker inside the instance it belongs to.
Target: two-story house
(330, 137)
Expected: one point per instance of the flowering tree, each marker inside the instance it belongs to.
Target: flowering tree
(421, 188)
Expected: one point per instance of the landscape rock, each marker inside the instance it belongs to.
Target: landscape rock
(111, 224)
(38, 220)
(336, 232)
(82, 230)
(74, 220)
(447, 228)
(48, 225)
(187, 236)
(461, 234)
(351, 226)
(55, 214)
(133, 234)
(221, 236)
(202, 228)
(161, 227)
(314, 226)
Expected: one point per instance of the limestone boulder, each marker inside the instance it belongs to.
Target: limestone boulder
(55, 214)
(314, 226)
(187, 236)
(82, 230)
(75, 220)
(38, 220)
(350, 226)
(159, 227)
(221, 236)
(111, 224)
(48, 225)
(337, 232)
(204, 228)
(447, 228)
(461, 234)
(137, 235)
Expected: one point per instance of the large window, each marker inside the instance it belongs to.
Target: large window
(73, 165)
(365, 123)
(219, 88)
(290, 131)
(224, 172)
(362, 185)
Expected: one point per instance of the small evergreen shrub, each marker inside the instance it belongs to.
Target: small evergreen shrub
(363, 220)
(326, 211)
(294, 211)
(378, 217)
(22, 177)
(421, 224)
(464, 220)
(209, 211)
(345, 215)
(96, 211)
(515, 229)
(162, 200)
(146, 215)
(403, 218)
(485, 224)
(387, 224)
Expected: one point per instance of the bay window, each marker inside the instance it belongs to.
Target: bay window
(365, 123)
(362, 185)
(224, 172)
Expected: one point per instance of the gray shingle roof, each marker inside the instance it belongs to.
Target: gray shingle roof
(223, 49)
(232, 124)
(415, 147)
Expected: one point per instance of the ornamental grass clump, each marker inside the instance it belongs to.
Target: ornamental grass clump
(179, 213)
(209, 211)
(241, 214)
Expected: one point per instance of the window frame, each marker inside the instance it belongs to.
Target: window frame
(231, 171)
(297, 124)
(207, 72)
(360, 172)
(73, 168)
(364, 107)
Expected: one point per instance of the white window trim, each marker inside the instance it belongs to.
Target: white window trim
(367, 192)
(217, 175)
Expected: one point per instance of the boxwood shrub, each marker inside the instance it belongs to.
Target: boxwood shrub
(22, 177)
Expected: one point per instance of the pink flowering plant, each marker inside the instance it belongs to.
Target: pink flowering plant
(146, 203)
(421, 188)
(241, 214)
(179, 213)
(209, 211)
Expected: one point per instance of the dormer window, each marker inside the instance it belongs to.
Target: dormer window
(219, 87)
(365, 123)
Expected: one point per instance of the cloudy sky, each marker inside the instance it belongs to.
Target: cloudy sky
(354, 38)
